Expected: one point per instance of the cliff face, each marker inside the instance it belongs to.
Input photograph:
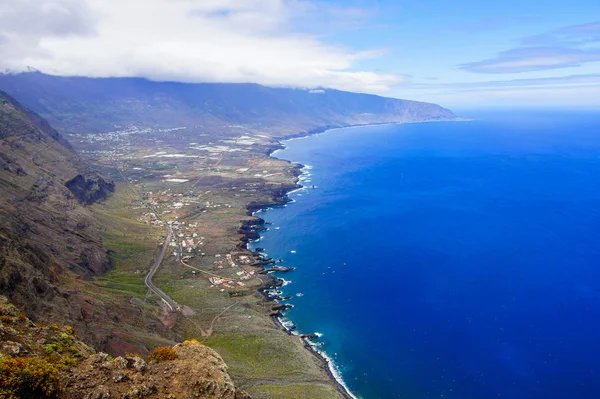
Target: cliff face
(43, 224)
(46, 233)
(80, 104)
(50, 242)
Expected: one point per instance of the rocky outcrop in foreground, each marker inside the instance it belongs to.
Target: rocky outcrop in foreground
(50, 362)
(195, 371)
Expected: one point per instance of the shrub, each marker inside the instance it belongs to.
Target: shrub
(27, 377)
(162, 353)
(65, 337)
(62, 353)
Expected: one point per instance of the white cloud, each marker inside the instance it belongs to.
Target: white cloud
(564, 97)
(528, 59)
(180, 40)
(565, 91)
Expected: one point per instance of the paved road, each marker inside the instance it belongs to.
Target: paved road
(148, 280)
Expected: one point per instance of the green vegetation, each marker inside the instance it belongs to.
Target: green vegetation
(36, 376)
(122, 248)
(263, 355)
(131, 243)
(28, 377)
(62, 350)
(123, 282)
(293, 391)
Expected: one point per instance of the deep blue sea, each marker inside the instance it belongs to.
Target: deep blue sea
(451, 259)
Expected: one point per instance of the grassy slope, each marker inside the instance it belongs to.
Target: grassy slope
(261, 358)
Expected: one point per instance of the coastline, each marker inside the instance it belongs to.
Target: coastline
(327, 363)
(328, 128)
(251, 230)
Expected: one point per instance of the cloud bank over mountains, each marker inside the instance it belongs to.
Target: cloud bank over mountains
(182, 40)
(571, 46)
(381, 47)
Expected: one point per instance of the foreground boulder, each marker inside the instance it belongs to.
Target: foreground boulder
(188, 370)
(51, 362)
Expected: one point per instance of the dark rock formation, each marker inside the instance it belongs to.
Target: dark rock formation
(90, 189)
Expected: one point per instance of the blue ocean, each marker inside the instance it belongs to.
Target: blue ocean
(456, 260)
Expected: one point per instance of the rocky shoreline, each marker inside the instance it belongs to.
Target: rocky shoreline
(250, 230)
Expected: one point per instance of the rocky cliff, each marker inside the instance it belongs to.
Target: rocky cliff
(44, 225)
(90, 189)
(50, 242)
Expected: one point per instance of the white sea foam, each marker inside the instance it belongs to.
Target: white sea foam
(286, 323)
(295, 190)
(333, 368)
(286, 282)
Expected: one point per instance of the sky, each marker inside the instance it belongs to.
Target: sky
(461, 53)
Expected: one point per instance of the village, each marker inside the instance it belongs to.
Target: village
(193, 184)
(187, 244)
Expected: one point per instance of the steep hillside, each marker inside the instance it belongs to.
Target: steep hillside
(50, 243)
(80, 104)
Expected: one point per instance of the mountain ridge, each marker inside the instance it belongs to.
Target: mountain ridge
(82, 104)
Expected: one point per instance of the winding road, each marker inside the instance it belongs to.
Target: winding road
(148, 280)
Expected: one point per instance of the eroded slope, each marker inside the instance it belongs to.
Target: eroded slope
(50, 242)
